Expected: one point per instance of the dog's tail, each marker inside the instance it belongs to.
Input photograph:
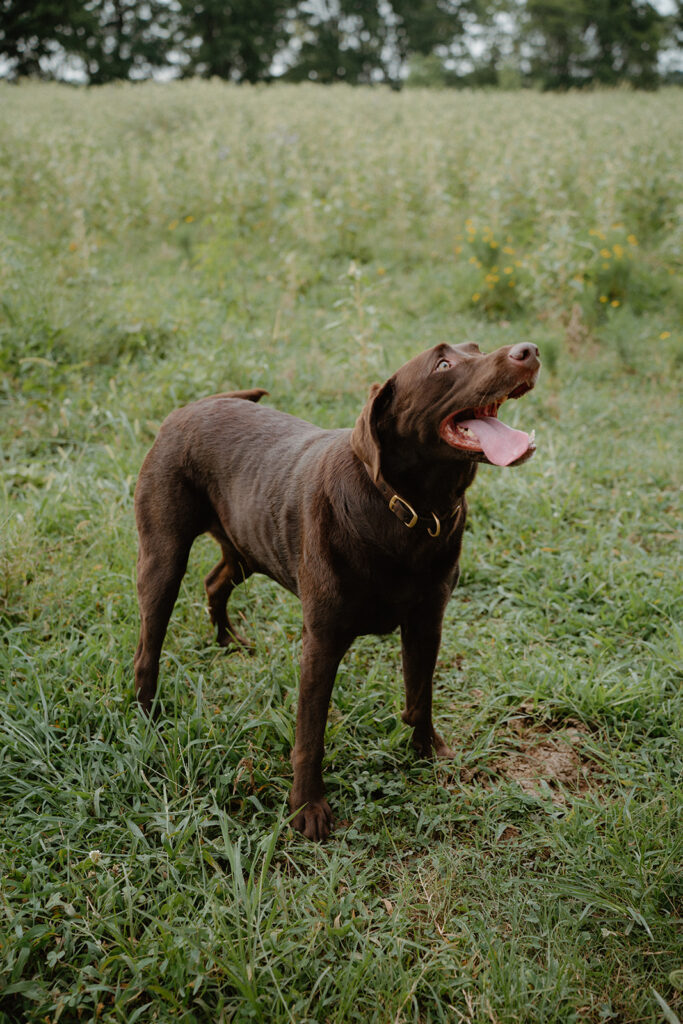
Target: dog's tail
(251, 395)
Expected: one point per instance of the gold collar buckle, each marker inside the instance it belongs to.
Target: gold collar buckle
(403, 511)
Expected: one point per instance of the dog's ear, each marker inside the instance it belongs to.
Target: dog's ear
(364, 436)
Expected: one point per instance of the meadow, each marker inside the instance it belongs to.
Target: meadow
(160, 243)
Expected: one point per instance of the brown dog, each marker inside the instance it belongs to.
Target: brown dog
(363, 525)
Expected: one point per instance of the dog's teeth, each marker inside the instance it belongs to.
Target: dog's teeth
(532, 437)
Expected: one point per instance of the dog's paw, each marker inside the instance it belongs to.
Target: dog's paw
(314, 820)
(233, 641)
(431, 746)
(441, 748)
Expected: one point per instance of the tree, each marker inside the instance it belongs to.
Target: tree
(554, 32)
(370, 40)
(622, 40)
(233, 39)
(576, 42)
(427, 26)
(105, 39)
(132, 38)
(338, 40)
(35, 32)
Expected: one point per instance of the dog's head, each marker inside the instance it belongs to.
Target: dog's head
(443, 404)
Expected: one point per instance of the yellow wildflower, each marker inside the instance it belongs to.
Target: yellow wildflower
(615, 303)
(189, 219)
(508, 250)
(664, 335)
(173, 225)
(605, 253)
(632, 240)
(603, 298)
(476, 297)
(618, 251)
(507, 270)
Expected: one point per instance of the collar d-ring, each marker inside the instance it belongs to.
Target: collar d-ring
(437, 531)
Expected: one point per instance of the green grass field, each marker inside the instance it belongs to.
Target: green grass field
(160, 243)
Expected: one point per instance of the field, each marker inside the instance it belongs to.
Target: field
(160, 243)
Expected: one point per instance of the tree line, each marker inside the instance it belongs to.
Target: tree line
(552, 44)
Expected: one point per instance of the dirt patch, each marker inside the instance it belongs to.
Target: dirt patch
(545, 758)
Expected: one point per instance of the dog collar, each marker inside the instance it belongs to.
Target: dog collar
(404, 511)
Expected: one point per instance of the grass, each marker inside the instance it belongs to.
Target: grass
(161, 243)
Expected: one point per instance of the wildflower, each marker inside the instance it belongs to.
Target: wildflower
(189, 219)
(618, 251)
(494, 245)
(95, 856)
(615, 303)
(632, 240)
(507, 270)
(511, 283)
(173, 225)
(474, 261)
(603, 298)
(664, 335)
(381, 271)
(605, 253)
(458, 250)
(508, 250)
(476, 297)
(73, 246)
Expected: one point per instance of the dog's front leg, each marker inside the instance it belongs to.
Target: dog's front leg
(420, 641)
(320, 657)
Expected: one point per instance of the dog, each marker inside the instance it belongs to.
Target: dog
(364, 525)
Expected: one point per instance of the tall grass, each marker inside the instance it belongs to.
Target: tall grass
(161, 243)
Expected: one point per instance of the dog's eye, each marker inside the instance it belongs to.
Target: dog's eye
(443, 364)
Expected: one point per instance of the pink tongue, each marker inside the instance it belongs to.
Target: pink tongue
(501, 444)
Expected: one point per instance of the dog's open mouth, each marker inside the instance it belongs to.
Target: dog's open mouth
(479, 430)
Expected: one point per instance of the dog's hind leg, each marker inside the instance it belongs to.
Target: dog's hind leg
(169, 516)
(219, 584)
(162, 561)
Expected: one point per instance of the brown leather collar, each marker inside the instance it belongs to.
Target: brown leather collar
(404, 511)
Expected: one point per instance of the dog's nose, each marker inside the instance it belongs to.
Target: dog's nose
(525, 352)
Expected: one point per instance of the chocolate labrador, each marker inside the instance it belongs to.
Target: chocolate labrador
(363, 525)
